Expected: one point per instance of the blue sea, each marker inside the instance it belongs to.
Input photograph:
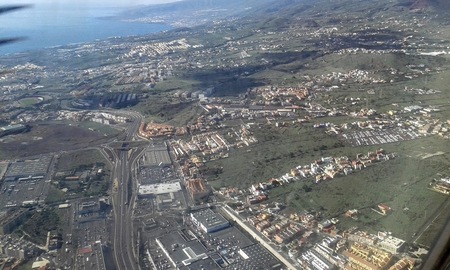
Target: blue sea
(49, 25)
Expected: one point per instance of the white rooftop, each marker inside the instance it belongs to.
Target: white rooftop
(392, 241)
(159, 188)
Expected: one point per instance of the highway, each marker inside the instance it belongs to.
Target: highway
(123, 200)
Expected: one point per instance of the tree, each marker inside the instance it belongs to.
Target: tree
(307, 188)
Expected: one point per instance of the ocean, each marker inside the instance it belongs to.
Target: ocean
(57, 24)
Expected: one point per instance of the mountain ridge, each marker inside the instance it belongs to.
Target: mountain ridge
(433, 4)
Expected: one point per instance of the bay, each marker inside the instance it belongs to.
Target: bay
(45, 26)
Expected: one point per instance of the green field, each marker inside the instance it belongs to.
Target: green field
(277, 151)
(175, 83)
(30, 101)
(400, 183)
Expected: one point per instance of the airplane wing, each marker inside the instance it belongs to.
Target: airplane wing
(4, 9)
(4, 41)
(11, 8)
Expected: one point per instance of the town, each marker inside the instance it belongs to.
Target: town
(314, 142)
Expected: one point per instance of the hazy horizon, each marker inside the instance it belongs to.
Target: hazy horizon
(49, 23)
(92, 3)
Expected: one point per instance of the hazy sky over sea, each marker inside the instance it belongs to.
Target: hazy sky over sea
(49, 23)
(94, 3)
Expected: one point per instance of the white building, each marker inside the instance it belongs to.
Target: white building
(392, 244)
(209, 221)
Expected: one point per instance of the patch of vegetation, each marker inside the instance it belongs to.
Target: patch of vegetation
(42, 222)
(26, 265)
(278, 150)
(173, 84)
(400, 183)
(79, 173)
(55, 195)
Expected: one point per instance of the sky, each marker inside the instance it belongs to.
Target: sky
(94, 3)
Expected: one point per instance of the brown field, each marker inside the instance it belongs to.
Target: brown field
(50, 137)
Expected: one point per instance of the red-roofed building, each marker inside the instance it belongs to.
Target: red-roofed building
(85, 250)
(385, 209)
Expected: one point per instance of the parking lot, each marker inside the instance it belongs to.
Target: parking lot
(154, 175)
(163, 224)
(224, 247)
(26, 182)
(18, 193)
(374, 137)
(90, 257)
(90, 232)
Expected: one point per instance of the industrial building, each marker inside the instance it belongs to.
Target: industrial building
(165, 195)
(185, 252)
(13, 129)
(33, 169)
(255, 257)
(157, 189)
(209, 221)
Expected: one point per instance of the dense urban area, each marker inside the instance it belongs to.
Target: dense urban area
(297, 135)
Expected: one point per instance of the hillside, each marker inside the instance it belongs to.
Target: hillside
(430, 4)
(191, 12)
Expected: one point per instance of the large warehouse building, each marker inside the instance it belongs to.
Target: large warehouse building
(209, 221)
(157, 189)
(13, 129)
(185, 253)
(28, 169)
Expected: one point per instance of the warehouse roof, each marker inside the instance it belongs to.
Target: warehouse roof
(209, 218)
(256, 257)
(156, 189)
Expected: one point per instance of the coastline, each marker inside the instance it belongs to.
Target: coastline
(85, 30)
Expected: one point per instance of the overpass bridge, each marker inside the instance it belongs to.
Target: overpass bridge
(127, 145)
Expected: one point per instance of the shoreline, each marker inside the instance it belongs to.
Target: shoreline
(35, 41)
